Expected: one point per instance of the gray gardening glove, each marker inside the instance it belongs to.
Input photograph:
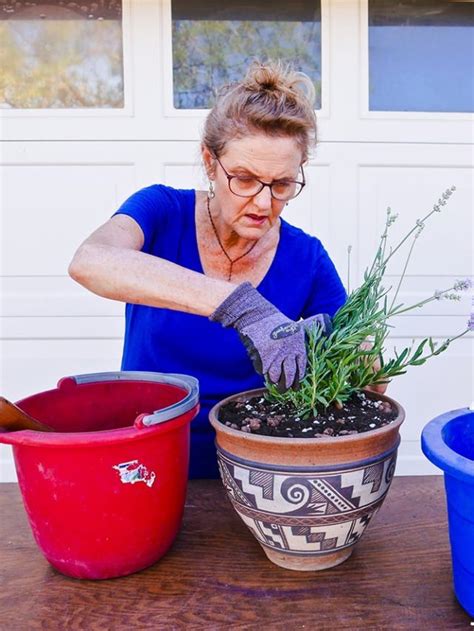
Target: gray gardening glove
(322, 320)
(275, 343)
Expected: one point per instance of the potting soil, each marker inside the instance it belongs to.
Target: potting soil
(260, 416)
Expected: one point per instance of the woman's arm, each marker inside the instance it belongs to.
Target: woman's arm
(110, 264)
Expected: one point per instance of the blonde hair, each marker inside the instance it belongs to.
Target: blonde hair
(272, 99)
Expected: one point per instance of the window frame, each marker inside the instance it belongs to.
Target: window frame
(364, 100)
(91, 112)
(170, 111)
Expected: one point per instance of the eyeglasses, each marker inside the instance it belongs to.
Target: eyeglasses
(248, 186)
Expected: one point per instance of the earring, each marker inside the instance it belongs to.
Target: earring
(211, 194)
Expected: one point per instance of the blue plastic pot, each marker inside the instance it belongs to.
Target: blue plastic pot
(448, 441)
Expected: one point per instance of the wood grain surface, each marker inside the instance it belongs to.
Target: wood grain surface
(217, 577)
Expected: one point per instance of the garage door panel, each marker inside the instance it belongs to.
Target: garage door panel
(444, 247)
(445, 382)
(64, 328)
(50, 208)
(48, 296)
(30, 366)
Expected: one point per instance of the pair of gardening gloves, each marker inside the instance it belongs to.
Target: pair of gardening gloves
(275, 344)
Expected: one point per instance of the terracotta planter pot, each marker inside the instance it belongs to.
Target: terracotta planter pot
(307, 501)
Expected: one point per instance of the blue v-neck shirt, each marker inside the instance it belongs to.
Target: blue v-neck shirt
(301, 282)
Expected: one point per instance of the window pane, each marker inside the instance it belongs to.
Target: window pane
(214, 42)
(61, 54)
(421, 55)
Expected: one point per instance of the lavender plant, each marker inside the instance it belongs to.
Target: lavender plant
(352, 356)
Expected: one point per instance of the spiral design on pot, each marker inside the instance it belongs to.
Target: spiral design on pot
(296, 491)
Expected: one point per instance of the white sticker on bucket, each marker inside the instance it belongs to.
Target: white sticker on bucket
(133, 471)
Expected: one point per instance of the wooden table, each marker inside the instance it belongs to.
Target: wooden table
(217, 577)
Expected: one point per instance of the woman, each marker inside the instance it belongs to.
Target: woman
(187, 262)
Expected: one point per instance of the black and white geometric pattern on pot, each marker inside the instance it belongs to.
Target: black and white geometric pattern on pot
(313, 511)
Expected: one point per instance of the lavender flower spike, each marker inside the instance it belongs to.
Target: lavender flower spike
(463, 285)
(470, 324)
(444, 295)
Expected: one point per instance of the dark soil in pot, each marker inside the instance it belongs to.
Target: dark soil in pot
(257, 415)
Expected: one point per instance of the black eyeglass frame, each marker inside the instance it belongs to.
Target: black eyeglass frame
(263, 184)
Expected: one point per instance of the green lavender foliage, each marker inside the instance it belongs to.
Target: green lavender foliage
(352, 356)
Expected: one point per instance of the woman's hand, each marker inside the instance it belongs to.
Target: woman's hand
(377, 388)
(276, 345)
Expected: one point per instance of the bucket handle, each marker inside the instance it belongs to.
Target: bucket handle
(191, 384)
(190, 401)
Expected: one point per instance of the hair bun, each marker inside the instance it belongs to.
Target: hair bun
(265, 77)
(275, 76)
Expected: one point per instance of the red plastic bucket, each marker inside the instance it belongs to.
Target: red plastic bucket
(105, 493)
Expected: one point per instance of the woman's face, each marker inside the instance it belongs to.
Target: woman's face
(265, 157)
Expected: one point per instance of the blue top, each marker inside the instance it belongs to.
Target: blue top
(301, 282)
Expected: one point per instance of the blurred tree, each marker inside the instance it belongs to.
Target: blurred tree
(210, 53)
(61, 64)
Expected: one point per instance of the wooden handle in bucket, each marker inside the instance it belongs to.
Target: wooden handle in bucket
(12, 418)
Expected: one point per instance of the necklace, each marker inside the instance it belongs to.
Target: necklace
(231, 261)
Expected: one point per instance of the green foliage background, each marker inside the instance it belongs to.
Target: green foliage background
(61, 64)
(210, 53)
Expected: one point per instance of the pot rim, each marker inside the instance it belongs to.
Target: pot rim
(439, 453)
(176, 415)
(352, 438)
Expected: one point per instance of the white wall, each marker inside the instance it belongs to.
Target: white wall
(65, 172)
